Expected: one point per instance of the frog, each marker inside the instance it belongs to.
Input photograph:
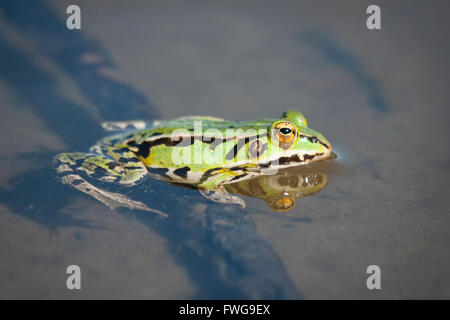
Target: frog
(202, 152)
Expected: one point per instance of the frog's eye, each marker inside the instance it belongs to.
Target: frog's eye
(284, 133)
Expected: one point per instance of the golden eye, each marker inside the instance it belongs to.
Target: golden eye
(284, 133)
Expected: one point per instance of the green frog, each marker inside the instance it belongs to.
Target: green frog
(206, 153)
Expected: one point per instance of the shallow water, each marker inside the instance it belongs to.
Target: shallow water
(380, 97)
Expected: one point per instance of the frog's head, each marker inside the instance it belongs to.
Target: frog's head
(292, 142)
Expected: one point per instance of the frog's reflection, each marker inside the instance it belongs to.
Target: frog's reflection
(282, 190)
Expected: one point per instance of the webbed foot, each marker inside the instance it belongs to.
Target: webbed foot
(220, 195)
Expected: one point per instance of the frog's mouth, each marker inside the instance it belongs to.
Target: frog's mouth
(290, 158)
(294, 159)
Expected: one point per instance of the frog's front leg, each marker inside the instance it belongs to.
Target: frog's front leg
(212, 187)
(72, 169)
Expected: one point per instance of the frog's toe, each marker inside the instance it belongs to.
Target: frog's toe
(123, 125)
(222, 196)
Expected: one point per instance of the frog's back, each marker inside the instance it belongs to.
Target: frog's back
(198, 126)
(157, 145)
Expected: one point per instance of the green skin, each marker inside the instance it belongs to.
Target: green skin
(203, 152)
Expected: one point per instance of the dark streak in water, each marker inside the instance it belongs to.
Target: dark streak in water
(337, 55)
